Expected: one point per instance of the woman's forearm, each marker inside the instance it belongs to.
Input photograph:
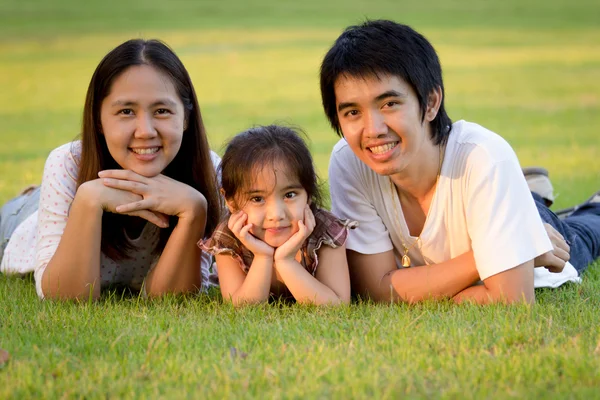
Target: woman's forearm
(178, 269)
(74, 269)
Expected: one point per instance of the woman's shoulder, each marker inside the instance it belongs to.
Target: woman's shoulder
(64, 160)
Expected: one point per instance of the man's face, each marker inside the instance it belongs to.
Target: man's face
(381, 121)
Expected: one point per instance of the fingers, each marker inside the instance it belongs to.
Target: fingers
(130, 186)
(123, 174)
(157, 219)
(309, 219)
(144, 204)
(237, 221)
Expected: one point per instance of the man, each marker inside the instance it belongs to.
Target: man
(447, 200)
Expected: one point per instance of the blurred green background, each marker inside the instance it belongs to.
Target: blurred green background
(529, 70)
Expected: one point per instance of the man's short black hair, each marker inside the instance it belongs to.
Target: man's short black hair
(382, 47)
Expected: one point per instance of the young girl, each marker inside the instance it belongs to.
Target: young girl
(143, 157)
(277, 240)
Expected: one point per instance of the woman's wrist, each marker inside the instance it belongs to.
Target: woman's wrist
(196, 209)
(89, 196)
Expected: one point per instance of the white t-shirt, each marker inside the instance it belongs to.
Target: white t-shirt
(482, 203)
(36, 239)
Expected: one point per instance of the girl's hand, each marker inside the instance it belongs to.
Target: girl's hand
(241, 230)
(290, 248)
(109, 199)
(159, 194)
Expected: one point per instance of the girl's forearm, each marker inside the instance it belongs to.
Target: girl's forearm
(304, 287)
(256, 287)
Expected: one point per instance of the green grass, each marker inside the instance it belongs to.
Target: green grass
(527, 70)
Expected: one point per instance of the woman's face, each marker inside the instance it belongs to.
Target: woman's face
(143, 120)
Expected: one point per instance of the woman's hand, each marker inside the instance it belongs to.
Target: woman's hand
(159, 194)
(109, 199)
(241, 230)
(555, 259)
(290, 248)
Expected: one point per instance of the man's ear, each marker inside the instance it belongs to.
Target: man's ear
(434, 100)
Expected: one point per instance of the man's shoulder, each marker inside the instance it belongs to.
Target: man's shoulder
(480, 142)
(341, 147)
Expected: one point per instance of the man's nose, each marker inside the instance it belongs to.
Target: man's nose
(375, 124)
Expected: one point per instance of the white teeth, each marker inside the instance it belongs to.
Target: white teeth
(145, 151)
(383, 148)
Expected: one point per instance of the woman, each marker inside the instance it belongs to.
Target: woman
(126, 204)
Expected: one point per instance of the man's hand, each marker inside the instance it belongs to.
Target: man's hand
(555, 259)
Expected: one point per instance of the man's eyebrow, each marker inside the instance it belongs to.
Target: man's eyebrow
(389, 93)
(342, 106)
(382, 96)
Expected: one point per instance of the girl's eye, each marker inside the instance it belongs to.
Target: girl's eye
(126, 111)
(290, 195)
(256, 199)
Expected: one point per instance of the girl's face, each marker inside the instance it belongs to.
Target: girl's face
(143, 120)
(274, 203)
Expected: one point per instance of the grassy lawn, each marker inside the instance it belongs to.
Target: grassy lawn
(526, 69)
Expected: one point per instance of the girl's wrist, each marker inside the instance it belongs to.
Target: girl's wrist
(285, 263)
(265, 258)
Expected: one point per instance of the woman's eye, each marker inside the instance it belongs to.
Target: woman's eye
(126, 111)
(163, 111)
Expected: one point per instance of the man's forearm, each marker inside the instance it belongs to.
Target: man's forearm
(444, 280)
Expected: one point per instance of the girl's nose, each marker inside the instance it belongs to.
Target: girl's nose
(276, 211)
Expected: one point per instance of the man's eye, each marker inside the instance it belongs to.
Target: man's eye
(391, 104)
(351, 113)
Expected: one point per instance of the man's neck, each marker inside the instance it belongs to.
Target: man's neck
(418, 181)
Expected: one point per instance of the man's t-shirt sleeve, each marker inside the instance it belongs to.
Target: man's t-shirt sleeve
(503, 222)
(351, 193)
